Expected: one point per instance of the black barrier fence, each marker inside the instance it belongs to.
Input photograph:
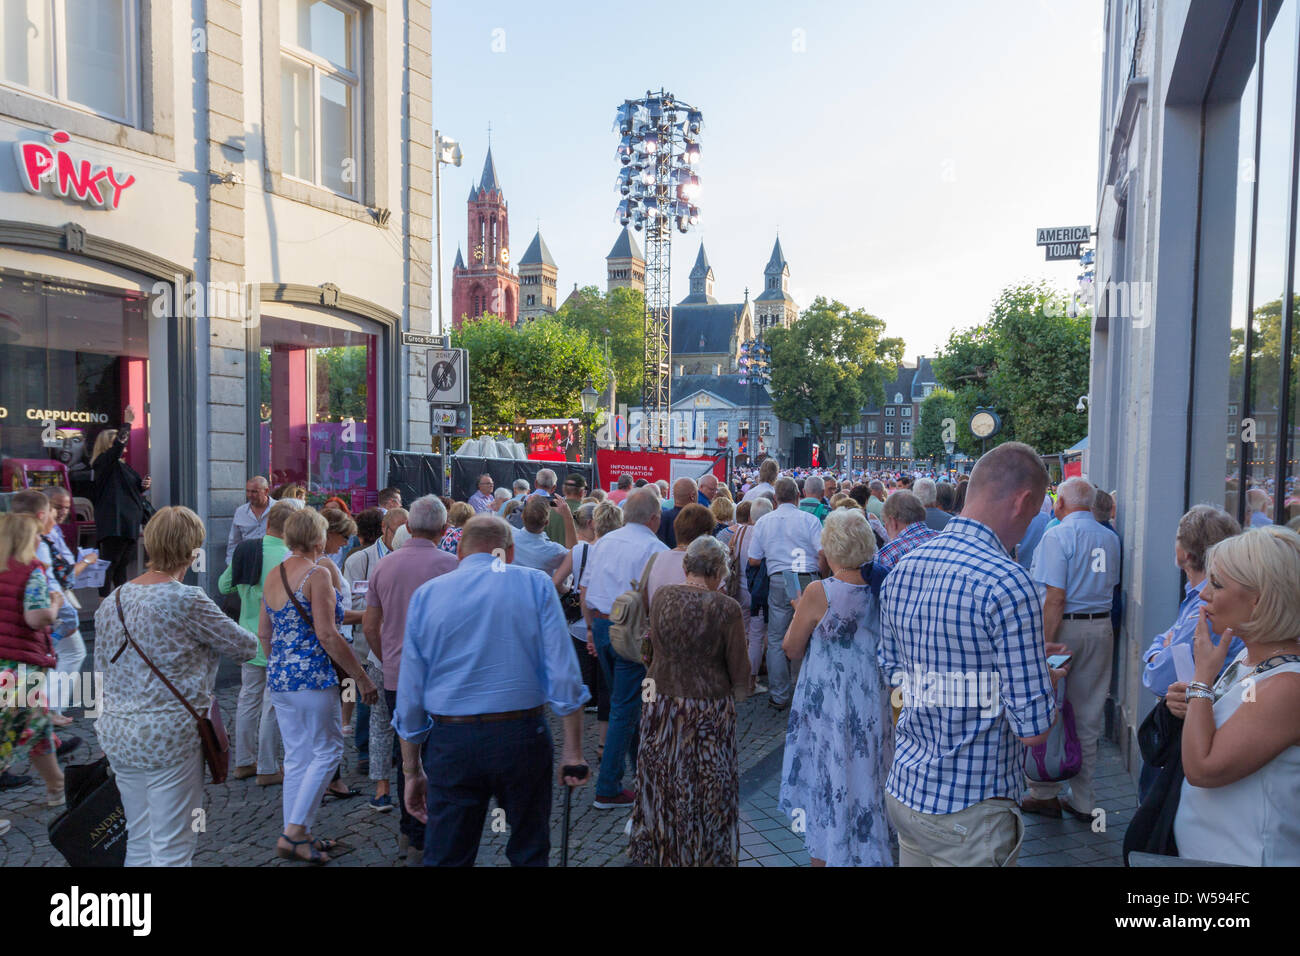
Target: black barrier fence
(465, 473)
(415, 474)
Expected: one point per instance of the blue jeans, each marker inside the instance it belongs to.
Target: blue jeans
(467, 765)
(362, 736)
(622, 738)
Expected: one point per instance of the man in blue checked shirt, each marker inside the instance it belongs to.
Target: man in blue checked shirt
(958, 613)
(485, 647)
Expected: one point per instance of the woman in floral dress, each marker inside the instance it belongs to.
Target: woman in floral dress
(27, 610)
(840, 743)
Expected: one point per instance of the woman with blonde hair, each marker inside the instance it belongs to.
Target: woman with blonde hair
(839, 745)
(299, 631)
(1241, 729)
(146, 731)
(27, 612)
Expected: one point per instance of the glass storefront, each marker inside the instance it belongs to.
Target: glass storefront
(1262, 437)
(75, 357)
(317, 393)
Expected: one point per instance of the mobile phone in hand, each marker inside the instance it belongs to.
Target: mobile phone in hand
(1057, 661)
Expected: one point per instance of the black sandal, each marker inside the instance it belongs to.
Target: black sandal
(344, 795)
(314, 858)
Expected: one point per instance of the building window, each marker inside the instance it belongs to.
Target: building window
(889, 412)
(1262, 475)
(321, 95)
(872, 426)
(85, 53)
(889, 428)
(889, 449)
(907, 411)
(764, 428)
(907, 428)
(317, 392)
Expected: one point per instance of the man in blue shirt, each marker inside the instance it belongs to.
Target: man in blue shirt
(485, 647)
(1077, 563)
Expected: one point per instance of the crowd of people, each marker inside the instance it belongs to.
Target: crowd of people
(902, 624)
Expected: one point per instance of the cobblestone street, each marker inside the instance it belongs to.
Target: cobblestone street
(242, 818)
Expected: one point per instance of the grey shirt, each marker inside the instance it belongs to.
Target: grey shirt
(246, 526)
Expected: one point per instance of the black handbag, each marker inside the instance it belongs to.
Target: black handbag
(1151, 830)
(91, 831)
(571, 601)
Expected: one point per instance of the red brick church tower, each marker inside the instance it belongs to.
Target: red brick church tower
(486, 284)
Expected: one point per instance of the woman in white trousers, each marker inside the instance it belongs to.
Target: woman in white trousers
(302, 611)
(147, 733)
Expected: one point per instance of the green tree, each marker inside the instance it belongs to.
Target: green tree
(828, 365)
(536, 370)
(620, 316)
(1028, 361)
(928, 441)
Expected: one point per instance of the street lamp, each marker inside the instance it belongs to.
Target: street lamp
(589, 399)
(445, 151)
(947, 449)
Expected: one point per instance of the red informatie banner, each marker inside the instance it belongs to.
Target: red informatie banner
(653, 465)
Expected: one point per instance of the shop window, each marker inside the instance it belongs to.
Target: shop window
(320, 86)
(75, 357)
(317, 395)
(84, 53)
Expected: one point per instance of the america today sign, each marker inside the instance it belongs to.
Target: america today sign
(1063, 242)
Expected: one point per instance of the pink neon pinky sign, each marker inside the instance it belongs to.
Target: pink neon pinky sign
(68, 176)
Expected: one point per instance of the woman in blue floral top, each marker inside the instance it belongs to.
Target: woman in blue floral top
(303, 609)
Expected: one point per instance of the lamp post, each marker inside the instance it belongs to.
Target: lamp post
(444, 151)
(590, 398)
(947, 449)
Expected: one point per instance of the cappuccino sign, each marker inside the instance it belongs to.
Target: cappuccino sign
(68, 175)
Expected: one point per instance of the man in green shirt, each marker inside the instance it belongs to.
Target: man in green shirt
(876, 500)
(814, 488)
(257, 735)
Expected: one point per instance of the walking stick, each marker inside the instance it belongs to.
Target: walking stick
(569, 771)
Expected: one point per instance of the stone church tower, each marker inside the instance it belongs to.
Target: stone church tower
(774, 306)
(486, 285)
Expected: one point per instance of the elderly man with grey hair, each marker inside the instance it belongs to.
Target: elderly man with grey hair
(789, 540)
(546, 480)
(617, 562)
(393, 580)
(250, 517)
(928, 492)
(1077, 563)
(814, 497)
(876, 498)
(471, 701)
(520, 487)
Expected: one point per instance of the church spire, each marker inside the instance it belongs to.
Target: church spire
(488, 181)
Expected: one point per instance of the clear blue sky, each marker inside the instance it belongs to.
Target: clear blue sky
(907, 152)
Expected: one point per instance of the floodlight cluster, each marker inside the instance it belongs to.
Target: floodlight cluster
(755, 362)
(659, 150)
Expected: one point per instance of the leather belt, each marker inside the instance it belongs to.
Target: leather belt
(488, 718)
(599, 614)
(1085, 616)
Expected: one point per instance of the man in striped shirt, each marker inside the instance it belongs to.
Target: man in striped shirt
(962, 633)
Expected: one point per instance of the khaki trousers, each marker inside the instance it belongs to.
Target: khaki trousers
(988, 833)
(1086, 687)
